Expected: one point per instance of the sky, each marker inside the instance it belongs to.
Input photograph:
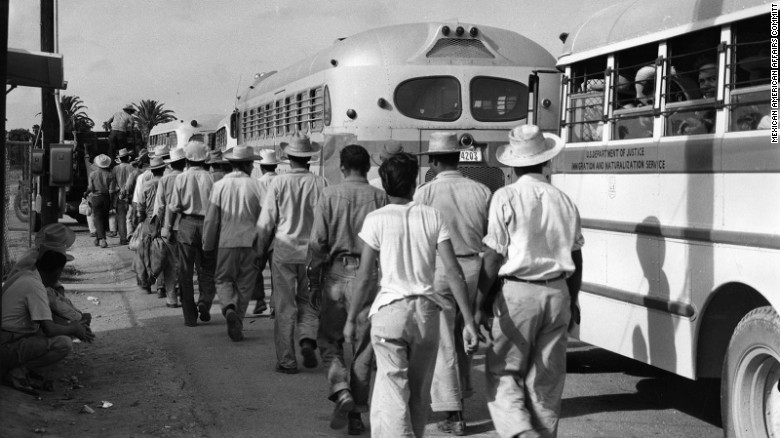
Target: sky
(192, 55)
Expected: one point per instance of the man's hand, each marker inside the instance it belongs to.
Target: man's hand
(84, 333)
(483, 320)
(470, 338)
(575, 315)
(315, 298)
(349, 331)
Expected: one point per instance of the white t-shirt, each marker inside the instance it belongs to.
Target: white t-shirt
(406, 237)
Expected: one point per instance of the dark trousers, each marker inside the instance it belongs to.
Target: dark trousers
(192, 258)
(101, 205)
(121, 220)
(116, 140)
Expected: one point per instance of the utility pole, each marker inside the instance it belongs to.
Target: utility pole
(49, 120)
(3, 176)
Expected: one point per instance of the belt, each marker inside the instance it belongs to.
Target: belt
(193, 216)
(546, 281)
(467, 256)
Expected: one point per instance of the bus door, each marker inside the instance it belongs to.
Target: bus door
(544, 99)
(478, 162)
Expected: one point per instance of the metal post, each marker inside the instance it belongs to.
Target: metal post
(3, 73)
(49, 119)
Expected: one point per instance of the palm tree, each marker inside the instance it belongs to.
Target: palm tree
(74, 116)
(150, 113)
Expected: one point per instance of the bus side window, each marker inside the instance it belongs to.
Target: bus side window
(749, 72)
(586, 101)
(691, 73)
(634, 70)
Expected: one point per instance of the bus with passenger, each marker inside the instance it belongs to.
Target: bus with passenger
(666, 117)
(177, 133)
(400, 83)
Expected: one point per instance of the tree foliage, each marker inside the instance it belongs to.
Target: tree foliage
(19, 134)
(150, 113)
(75, 118)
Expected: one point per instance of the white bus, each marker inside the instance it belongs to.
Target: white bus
(399, 84)
(224, 138)
(177, 133)
(665, 111)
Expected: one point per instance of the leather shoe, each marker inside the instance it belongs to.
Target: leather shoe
(455, 427)
(344, 404)
(260, 307)
(309, 356)
(103, 243)
(234, 326)
(173, 306)
(203, 309)
(285, 370)
(161, 293)
(356, 426)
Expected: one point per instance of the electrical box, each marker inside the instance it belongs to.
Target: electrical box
(36, 161)
(61, 165)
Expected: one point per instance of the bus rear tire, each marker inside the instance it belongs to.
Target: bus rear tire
(750, 388)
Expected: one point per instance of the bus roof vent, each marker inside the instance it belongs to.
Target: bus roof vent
(459, 48)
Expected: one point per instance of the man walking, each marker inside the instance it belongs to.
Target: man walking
(169, 226)
(534, 240)
(334, 254)
(234, 207)
(404, 236)
(268, 165)
(286, 220)
(122, 172)
(101, 188)
(190, 200)
(463, 203)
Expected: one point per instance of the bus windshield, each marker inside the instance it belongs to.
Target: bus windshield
(498, 100)
(430, 98)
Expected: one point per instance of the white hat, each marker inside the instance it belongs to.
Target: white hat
(196, 151)
(241, 153)
(156, 163)
(528, 146)
(443, 143)
(102, 161)
(161, 150)
(301, 146)
(177, 154)
(268, 157)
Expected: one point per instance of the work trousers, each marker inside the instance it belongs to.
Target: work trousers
(452, 377)
(404, 335)
(116, 141)
(337, 295)
(34, 351)
(235, 277)
(192, 258)
(121, 220)
(101, 205)
(525, 366)
(170, 272)
(259, 290)
(291, 304)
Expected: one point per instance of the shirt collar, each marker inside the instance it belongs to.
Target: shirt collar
(449, 174)
(360, 179)
(298, 170)
(538, 177)
(236, 174)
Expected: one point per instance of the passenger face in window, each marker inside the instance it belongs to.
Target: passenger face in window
(708, 80)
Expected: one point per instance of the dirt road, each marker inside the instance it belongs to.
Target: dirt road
(167, 380)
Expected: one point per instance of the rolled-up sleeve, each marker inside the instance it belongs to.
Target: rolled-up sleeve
(497, 237)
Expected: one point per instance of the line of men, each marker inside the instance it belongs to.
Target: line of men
(397, 273)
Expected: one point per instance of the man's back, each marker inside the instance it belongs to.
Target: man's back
(191, 192)
(24, 302)
(122, 172)
(237, 198)
(463, 204)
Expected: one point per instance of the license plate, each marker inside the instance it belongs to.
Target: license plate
(471, 155)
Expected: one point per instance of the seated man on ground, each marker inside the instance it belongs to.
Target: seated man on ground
(30, 340)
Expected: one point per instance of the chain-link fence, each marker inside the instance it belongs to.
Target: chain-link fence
(18, 201)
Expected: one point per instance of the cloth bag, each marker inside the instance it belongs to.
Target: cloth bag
(160, 254)
(136, 239)
(84, 208)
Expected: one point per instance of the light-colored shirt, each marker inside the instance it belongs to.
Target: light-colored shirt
(234, 207)
(163, 198)
(191, 192)
(339, 216)
(121, 121)
(377, 182)
(122, 172)
(102, 181)
(464, 205)
(138, 190)
(25, 302)
(406, 237)
(265, 181)
(149, 194)
(288, 214)
(535, 226)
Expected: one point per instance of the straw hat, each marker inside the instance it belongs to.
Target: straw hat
(102, 161)
(123, 153)
(157, 163)
(443, 143)
(196, 151)
(301, 146)
(161, 151)
(56, 234)
(215, 157)
(388, 150)
(241, 153)
(528, 146)
(268, 157)
(177, 154)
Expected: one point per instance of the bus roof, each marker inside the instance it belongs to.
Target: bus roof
(636, 22)
(204, 123)
(408, 44)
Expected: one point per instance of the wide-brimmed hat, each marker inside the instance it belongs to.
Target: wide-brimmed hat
(123, 153)
(196, 151)
(55, 234)
(103, 161)
(241, 153)
(54, 247)
(215, 157)
(268, 157)
(443, 143)
(389, 149)
(528, 146)
(161, 151)
(301, 146)
(177, 154)
(129, 107)
(157, 163)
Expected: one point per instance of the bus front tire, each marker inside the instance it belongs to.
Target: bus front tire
(750, 388)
